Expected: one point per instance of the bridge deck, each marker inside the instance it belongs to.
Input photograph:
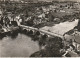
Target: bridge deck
(42, 31)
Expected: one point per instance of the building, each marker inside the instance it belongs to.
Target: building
(45, 0)
(30, 1)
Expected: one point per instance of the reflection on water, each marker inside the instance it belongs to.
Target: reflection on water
(21, 46)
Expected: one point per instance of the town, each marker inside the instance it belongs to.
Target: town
(39, 28)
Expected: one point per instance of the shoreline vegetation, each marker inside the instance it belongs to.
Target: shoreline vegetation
(35, 15)
(43, 40)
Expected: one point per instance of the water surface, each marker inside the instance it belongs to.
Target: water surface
(21, 46)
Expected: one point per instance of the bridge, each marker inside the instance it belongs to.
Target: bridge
(41, 31)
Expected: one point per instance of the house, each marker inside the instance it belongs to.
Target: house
(45, 0)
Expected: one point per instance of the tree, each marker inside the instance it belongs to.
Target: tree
(52, 48)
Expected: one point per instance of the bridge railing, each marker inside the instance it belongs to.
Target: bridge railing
(42, 31)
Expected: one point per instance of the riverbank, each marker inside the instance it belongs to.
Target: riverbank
(42, 40)
(61, 29)
(13, 36)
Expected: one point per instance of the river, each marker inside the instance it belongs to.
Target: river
(21, 46)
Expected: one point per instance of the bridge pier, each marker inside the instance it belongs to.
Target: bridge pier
(37, 33)
(25, 31)
(30, 32)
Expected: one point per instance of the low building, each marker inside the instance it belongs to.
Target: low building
(45, 0)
